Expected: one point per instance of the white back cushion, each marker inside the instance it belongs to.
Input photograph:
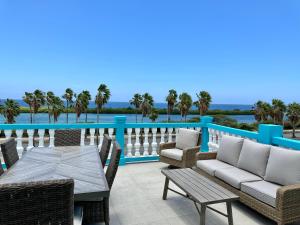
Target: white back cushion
(283, 166)
(187, 138)
(254, 157)
(230, 149)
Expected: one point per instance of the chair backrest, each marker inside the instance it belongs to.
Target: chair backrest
(67, 137)
(187, 138)
(105, 149)
(46, 202)
(113, 164)
(9, 152)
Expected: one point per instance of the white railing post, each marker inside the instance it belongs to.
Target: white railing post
(129, 144)
(101, 135)
(82, 137)
(170, 132)
(41, 133)
(146, 142)
(51, 138)
(154, 142)
(7, 133)
(30, 139)
(137, 142)
(92, 136)
(19, 142)
(110, 133)
(162, 135)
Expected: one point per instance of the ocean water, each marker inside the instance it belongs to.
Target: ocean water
(109, 118)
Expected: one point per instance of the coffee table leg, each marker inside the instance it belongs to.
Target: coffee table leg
(202, 216)
(166, 189)
(229, 213)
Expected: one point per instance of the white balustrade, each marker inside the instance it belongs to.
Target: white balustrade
(30, 139)
(41, 133)
(19, 142)
(82, 137)
(110, 133)
(170, 132)
(7, 133)
(137, 142)
(51, 138)
(129, 144)
(146, 142)
(162, 135)
(92, 136)
(101, 133)
(154, 142)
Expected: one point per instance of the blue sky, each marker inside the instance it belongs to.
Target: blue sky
(239, 51)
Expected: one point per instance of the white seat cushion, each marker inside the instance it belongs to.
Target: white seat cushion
(172, 153)
(187, 138)
(283, 166)
(230, 149)
(254, 157)
(235, 176)
(262, 190)
(210, 166)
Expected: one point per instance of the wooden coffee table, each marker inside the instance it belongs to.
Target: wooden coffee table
(200, 190)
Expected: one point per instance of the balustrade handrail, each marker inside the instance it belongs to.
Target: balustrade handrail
(286, 142)
(56, 126)
(163, 125)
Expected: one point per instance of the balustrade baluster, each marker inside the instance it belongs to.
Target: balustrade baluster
(154, 142)
(146, 142)
(30, 139)
(7, 133)
(41, 133)
(110, 133)
(162, 135)
(129, 144)
(82, 137)
(92, 136)
(19, 142)
(51, 138)
(170, 132)
(101, 133)
(137, 142)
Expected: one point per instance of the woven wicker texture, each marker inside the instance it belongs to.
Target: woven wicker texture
(94, 212)
(105, 149)
(67, 137)
(37, 203)
(9, 152)
(287, 208)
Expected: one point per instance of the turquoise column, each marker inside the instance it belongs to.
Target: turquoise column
(120, 132)
(266, 132)
(205, 135)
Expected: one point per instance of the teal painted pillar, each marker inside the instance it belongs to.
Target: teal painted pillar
(205, 135)
(268, 131)
(120, 132)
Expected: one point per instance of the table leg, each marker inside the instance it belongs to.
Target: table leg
(229, 213)
(166, 189)
(202, 216)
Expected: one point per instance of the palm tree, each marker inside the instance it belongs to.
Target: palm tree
(171, 100)
(184, 104)
(28, 99)
(262, 110)
(68, 96)
(57, 107)
(153, 115)
(102, 98)
(136, 101)
(146, 105)
(10, 110)
(203, 102)
(86, 97)
(293, 114)
(278, 110)
(49, 101)
(38, 100)
(78, 106)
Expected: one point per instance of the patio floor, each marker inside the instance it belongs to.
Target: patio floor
(136, 199)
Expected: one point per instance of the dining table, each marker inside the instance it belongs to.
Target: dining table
(80, 163)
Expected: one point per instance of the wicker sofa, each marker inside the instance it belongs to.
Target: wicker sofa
(182, 152)
(266, 178)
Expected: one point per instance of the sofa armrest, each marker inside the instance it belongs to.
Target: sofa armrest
(288, 200)
(206, 155)
(189, 156)
(166, 146)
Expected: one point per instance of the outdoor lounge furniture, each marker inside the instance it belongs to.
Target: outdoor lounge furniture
(42, 202)
(9, 152)
(266, 178)
(98, 211)
(67, 137)
(105, 148)
(200, 190)
(182, 152)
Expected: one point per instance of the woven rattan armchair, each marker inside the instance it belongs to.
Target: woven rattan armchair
(287, 208)
(67, 137)
(104, 151)
(9, 152)
(94, 212)
(182, 152)
(37, 203)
